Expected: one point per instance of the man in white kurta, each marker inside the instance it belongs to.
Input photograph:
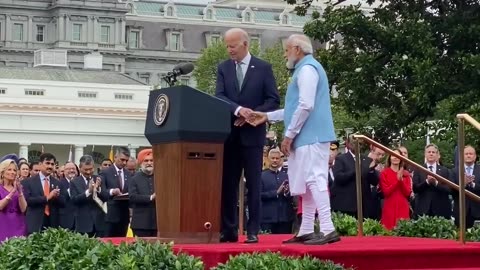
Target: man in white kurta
(309, 131)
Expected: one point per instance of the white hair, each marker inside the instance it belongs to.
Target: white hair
(302, 41)
(239, 31)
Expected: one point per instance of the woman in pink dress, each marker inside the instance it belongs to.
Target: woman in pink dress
(396, 186)
(12, 202)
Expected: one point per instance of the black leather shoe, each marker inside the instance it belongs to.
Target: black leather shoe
(251, 239)
(301, 239)
(225, 238)
(325, 239)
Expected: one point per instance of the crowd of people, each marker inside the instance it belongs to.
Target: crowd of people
(391, 190)
(101, 204)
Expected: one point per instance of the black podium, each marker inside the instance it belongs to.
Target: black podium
(187, 129)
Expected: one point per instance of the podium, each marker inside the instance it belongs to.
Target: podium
(187, 129)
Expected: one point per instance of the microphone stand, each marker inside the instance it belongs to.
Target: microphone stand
(170, 78)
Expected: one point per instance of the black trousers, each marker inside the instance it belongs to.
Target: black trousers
(278, 227)
(117, 229)
(236, 158)
(144, 233)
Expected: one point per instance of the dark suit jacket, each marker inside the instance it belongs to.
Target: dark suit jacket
(429, 198)
(36, 202)
(258, 92)
(118, 211)
(344, 191)
(275, 208)
(473, 207)
(67, 219)
(141, 187)
(88, 215)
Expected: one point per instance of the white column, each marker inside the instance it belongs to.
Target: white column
(30, 35)
(61, 28)
(133, 150)
(23, 151)
(68, 29)
(78, 152)
(8, 29)
(123, 26)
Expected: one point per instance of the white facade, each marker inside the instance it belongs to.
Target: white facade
(60, 118)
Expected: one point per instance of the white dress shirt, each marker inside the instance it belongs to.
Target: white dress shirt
(307, 81)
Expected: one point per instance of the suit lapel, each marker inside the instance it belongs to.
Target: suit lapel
(83, 185)
(38, 183)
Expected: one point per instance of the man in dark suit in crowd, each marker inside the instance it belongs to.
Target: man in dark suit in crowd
(43, 196)
(115, 183)
(247, 84)
(141, 189)
(472, 181)
(344, 190)
(432, 197)
(67, 219)
(87, 198)
(331, 161)
(277, 203)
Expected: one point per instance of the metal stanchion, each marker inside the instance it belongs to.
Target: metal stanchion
(241, 201)
(461, 179)
(358, 180)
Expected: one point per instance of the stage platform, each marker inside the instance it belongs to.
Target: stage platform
(362, 253)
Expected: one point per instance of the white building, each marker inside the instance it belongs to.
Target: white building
(60, 109)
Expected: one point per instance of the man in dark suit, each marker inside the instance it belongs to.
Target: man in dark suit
(43, 196)
(277, 203)
(115, 183)
(67, 219)
(472, 181)
(87, 199)
(432, 197)
(142, 197)
(246, 83)
(344, 190)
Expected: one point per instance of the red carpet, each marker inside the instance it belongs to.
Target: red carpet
(363, 253)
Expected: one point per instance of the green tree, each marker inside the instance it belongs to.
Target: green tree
(400, 60)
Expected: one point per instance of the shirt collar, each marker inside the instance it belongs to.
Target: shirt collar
(116, 168)
(246, 59)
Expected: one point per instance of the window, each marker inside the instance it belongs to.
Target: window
(18, 32)
(105, 34)
(215, 39)
(34, 92)
(3, 91)
(87, 94)
(209, 14)
(133, 39)
(123, 96)
(77, 32)
(40, 33)
(175, 42)
(170, 11)
(185, 81)
(248, 17)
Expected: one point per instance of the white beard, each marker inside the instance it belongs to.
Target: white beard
(290, 63)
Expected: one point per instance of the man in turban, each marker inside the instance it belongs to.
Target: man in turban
(142, 197)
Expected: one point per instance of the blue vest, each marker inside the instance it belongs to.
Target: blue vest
(318, 128)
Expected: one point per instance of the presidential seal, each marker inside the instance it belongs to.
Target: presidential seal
(160, 111)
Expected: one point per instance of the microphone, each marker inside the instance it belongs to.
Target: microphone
(180, 69)
(183, 69)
